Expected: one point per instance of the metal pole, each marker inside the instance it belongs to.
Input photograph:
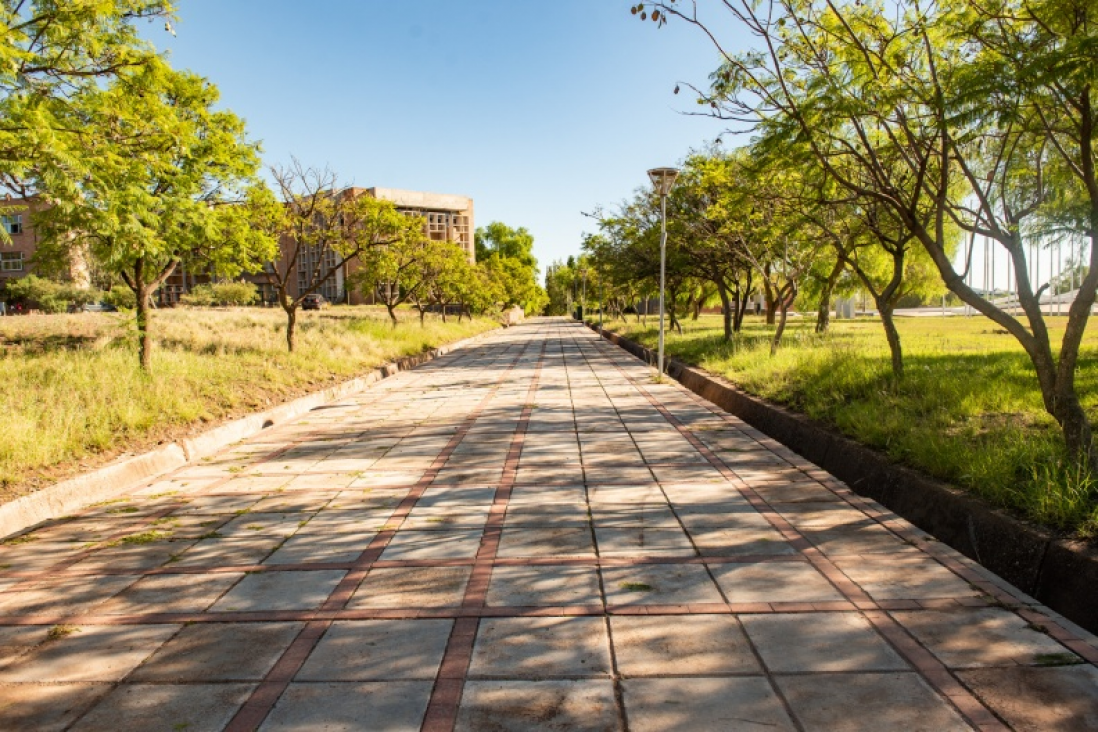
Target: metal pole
(663, 268)
(583, 304)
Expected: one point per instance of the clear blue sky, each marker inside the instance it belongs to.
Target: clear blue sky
(537, 110)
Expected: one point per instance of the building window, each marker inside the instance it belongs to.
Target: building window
(11, 261)
(14, 224)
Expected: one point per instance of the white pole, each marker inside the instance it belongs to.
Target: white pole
(663, 268)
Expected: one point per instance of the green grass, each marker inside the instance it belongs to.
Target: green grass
(967, 410)
(73, 396)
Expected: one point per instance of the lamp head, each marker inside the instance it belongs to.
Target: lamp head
(663, 179)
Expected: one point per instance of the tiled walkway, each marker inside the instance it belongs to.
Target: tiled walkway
(526, 534)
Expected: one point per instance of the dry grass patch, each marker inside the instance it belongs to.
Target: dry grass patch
(74, 398)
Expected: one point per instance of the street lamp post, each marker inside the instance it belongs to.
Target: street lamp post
(662, 179)
(583, 301)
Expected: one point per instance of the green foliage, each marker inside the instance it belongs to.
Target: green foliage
(120, 297)
(48, 295)
(560, 281)
(508, 243)
(223, 294)
(506, 255)
(54, 56)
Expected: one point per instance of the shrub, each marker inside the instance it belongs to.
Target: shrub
(221, 293)
(120, 297)
(48, 295)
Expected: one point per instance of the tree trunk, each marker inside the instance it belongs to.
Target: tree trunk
(893, 335)
(785, 298)
(823, 314)
(291, 324)
(771, 298)
(392, 313)
(422, 316)
(144, 342)
(726, 311)
(742, 302)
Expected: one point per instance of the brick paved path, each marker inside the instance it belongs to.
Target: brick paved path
(526, 534)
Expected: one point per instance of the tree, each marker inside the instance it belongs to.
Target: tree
(397, 272)
(507, 254)
(987, 107)
(163, 184)
(52, 55)
(322, 228)
(446, 274)
(508, 243)
(558, 288)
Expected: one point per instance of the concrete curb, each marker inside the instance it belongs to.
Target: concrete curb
(128, 472)
(1059, 573)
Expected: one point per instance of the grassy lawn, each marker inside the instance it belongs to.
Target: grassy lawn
(73, 396)
(967, 410)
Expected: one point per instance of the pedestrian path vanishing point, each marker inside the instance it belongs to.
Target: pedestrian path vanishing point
(528, 533)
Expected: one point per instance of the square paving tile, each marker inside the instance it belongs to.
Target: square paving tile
(691, 645)
(89, 653)
(45, 707)
(973, 637)
(412, 587)
(280, 591)
(366, 522)
(722, 516)
(528, 541)
(719, 542)
(434, 518)
(168, 707)
(18, 640)
(905, 579)
(774, 582)
(800, 492)
(453, 544)
(820, 515)
(640, 494)
(700, 473)
(544, 585)
(541, 648)
(391, 706)
(219, 552)
(1039, 699)
(655, 705)
(550, 515)
(263, 524)
(170, 593)
(868, 538)
(659, 584)
(378, 650)
(447, 495)
(313, 548)
(804, 642)
(219, 652)
(643, 541)
(519, 706)
(539, 495)
(134, 556)
(902, 702)
(64, 595)
(654, 515)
